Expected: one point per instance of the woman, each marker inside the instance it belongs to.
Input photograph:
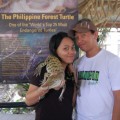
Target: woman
(49, 107)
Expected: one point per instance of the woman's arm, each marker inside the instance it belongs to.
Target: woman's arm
(34, 94)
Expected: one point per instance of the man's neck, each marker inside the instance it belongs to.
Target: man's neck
(93, 52)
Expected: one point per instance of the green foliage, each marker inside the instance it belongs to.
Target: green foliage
(19, 110)
(22, 89)
(25, 86)
(102, 35)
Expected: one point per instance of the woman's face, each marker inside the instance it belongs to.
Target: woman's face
(66, 51)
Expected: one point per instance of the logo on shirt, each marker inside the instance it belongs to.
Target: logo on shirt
(92, 76)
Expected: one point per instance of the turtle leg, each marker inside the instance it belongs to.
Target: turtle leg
(61, 95)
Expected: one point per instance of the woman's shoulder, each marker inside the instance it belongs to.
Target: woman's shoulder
(39, 69)
(38, 76)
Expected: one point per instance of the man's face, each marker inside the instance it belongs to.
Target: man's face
(85, 41)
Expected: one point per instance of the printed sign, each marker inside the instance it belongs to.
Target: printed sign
(26, 27)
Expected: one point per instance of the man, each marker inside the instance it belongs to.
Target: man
(99, 74)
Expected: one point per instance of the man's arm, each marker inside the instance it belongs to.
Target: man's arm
(116, 107)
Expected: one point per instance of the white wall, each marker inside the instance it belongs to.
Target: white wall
(112, 41)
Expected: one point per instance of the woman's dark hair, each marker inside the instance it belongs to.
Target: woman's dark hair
(55, 41)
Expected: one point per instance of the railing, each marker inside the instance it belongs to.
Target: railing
(13, 105)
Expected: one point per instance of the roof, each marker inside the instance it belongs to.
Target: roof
(104, 13)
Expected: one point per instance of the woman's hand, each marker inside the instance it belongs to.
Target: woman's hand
(43, 90)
